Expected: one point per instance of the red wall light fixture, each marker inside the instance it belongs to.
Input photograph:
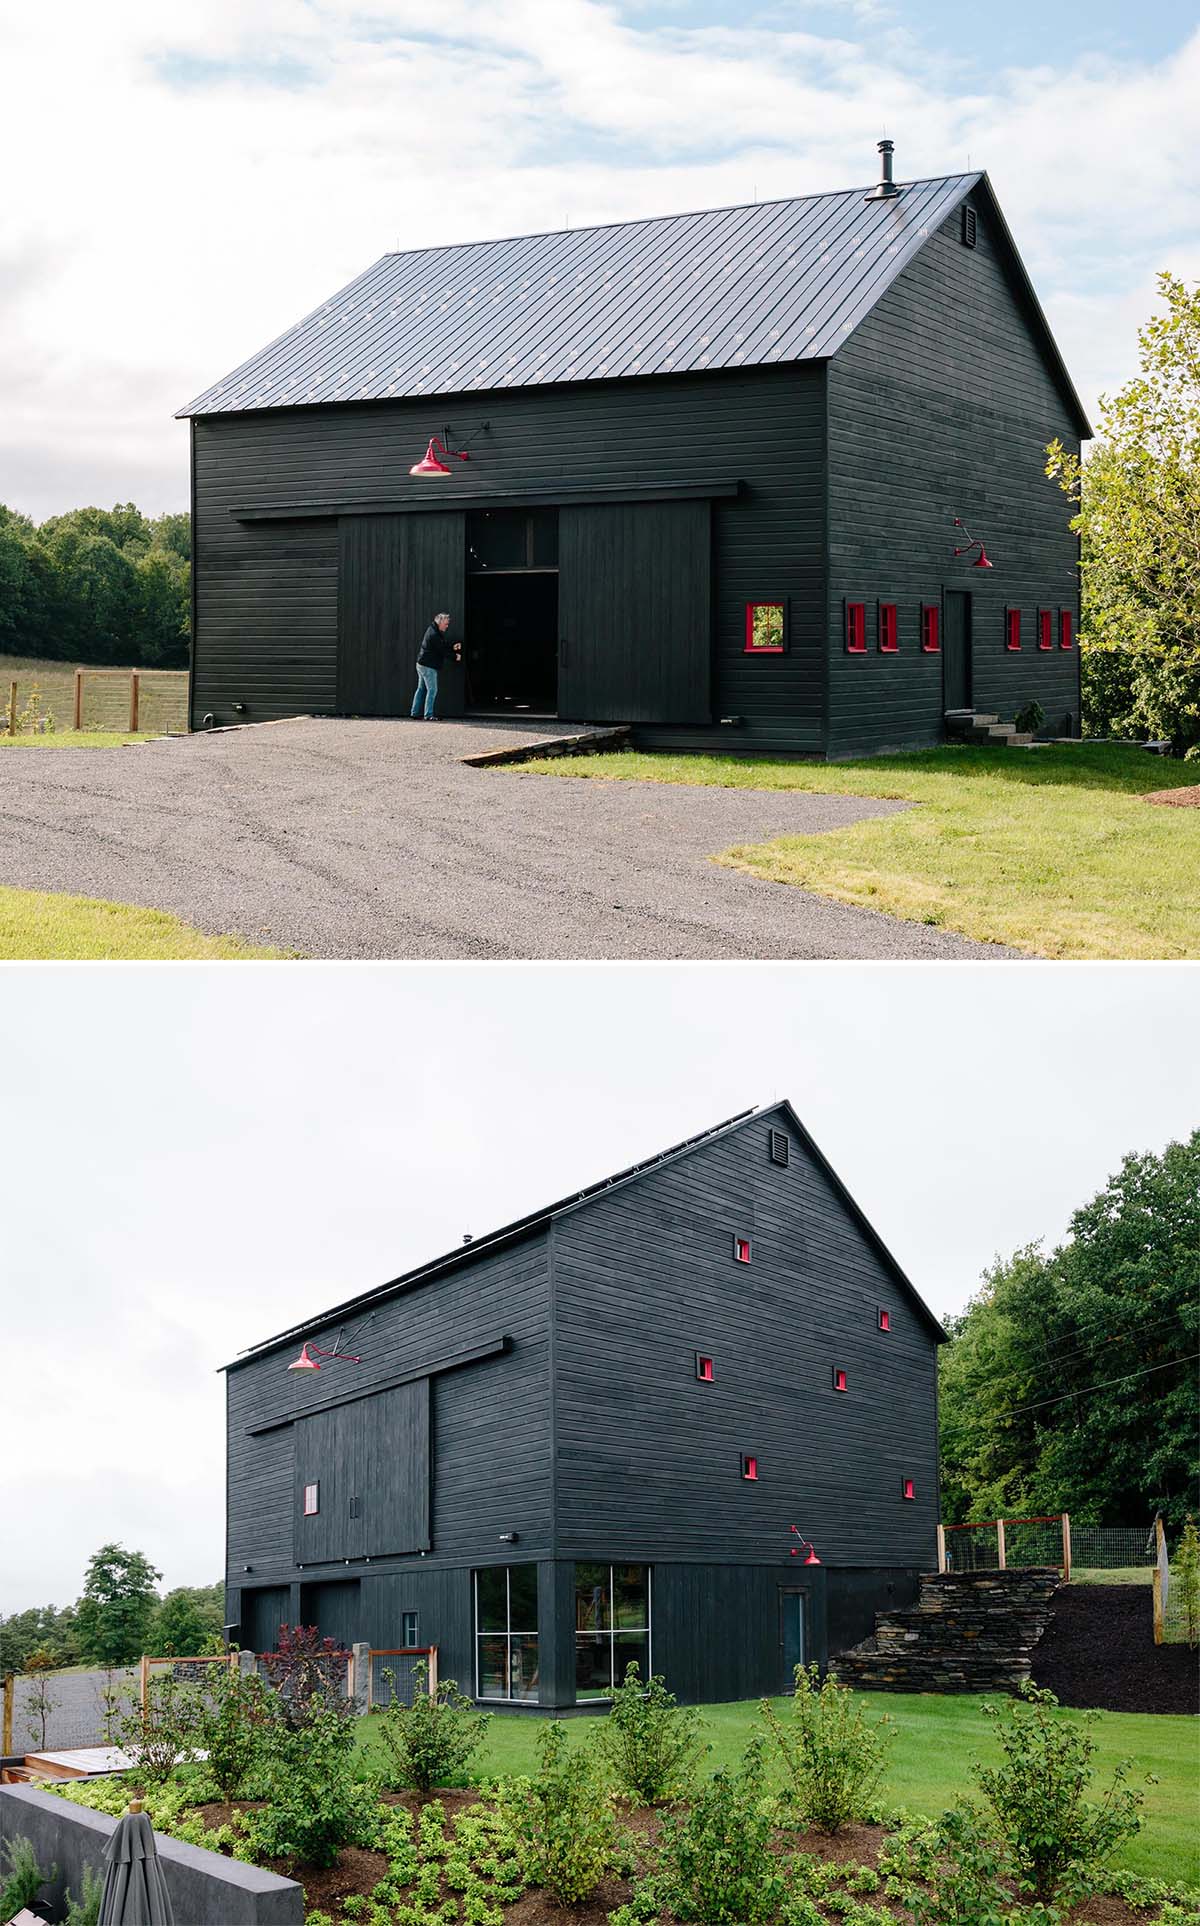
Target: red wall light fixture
(431, 464)
(311, 1354)
(972, 541)
(810, 1555)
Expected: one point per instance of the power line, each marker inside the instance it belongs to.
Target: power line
(1096, 1343)
(1014, 1409)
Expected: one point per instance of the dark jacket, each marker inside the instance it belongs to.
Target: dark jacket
(434, 648)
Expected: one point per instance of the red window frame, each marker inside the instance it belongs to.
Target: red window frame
(312, 1499)
(884, 1318)
(741, 1249)
(705, 1370)
(1012, 630)
(1045, 629)
(750, 647)
(931, 622)
(908, 1488)
(839, 1378)
(856, 628)
(889, 633)
(750, 1467)
(1066, 628)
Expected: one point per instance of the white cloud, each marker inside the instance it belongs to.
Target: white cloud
(189, 180)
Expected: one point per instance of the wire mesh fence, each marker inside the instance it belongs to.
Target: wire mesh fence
(1000, 1544)
(60, 1711)
(399, 1675)
(60, 696)
(1113, 1548)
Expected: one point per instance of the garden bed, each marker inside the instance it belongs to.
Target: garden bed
(1098, 1650)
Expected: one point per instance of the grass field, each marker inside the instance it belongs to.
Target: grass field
(83, 929)
(162, 701)
(1052, 851)
(75, 739)
(935, 1740)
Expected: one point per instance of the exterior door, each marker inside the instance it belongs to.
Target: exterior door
(792, 1630)
(395, 572)
(634, 612)
(956, 651)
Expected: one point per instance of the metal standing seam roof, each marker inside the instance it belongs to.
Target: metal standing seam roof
(523, 1226)
(732, 287)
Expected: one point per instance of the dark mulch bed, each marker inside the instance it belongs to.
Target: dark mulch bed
(1178, 798)
(1098, 1650)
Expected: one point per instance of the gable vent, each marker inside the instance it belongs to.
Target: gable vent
(779, 1148)
(969, 226)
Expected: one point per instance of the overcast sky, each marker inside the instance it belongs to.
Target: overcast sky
(186, 181)
(193, 1158)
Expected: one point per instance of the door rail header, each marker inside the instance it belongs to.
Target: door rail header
(496, 498)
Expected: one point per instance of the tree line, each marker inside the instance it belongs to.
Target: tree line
(104, 585)
(1069, 1382)
(118, 1616)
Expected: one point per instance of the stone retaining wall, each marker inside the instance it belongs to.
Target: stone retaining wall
(967, 1632)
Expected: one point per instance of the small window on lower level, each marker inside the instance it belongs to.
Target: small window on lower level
(1045, 629)
(766, 629)
(704, 1368)
(1066, 626)
(885, 1319)
(839, 1378)
(1012, 629)
(741, 1249)
(889, 637)
(856, 628)
(931, 624)
(312, 1500)
(907, 1488)
(410, 1632)
(749, 1466)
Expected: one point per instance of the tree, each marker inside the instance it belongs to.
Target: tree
(1139, 522)
(1067, 1384)
(188, 1620)
(118, 1604)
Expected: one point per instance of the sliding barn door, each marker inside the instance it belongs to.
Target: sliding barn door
(635, 628)
(394, 574)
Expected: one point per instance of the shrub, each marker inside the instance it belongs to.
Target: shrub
(1187, 1580)
(161, 1733)
(1057, 1837)
(315, 1806)
(429, 1742)
(232, 1729)
(563, 1819)
(303, 1668)
(833, 1757)
(650, 1744)
(85, 1911)
(1030, 717)
(22, 1877)
(716, 1862)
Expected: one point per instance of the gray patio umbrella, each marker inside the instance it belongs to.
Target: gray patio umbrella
(135, 1888)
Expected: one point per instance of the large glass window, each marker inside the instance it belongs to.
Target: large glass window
(506, 1632)
(612, 1626)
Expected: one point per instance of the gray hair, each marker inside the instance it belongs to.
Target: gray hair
(443, 615)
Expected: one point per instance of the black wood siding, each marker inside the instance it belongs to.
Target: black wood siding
(395, 573)
(266, 614)
(941, 404)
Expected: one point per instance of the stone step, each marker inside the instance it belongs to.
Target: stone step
(967, 1632)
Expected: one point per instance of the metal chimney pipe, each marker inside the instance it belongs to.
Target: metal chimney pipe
(887, 189)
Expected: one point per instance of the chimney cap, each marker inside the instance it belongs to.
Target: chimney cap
(887, 189)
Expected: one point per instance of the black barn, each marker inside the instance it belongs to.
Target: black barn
(587, 1437)
(714, 466)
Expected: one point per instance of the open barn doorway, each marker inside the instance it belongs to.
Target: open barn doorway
(511, 629)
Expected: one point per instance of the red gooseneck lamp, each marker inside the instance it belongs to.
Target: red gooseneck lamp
(431, 463)
(311, 1354)
(810, 1557)
(972, 541)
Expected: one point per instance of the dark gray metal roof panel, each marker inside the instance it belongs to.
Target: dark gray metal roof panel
(731, 287)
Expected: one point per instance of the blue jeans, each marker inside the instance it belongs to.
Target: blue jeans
(426, 689)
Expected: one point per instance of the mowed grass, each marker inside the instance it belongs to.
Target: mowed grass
(930, 1762)
(1051, 850)
(35, 924)
(75, 739)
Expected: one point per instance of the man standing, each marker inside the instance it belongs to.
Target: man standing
(431, 656)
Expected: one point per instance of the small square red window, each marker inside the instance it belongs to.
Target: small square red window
(839, 1378)
(931, 641)
(749, 1467)
(1045, 629)
(1065, 627)
(1012, 629)
(856, 628)
(888, 634)
(704, 1369)
(741, 1249)
(908, 1488)
(312, 1506)
(885, 1320)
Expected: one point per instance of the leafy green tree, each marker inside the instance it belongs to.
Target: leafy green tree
(1138, 519)
(1067, 1384)
(117, 1608)
(188, 1620)
(96, 585)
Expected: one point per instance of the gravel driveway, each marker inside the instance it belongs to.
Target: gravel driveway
(372, 839)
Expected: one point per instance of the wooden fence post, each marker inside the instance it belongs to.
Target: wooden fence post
(6, 1740)
(1156, 1581)
(432, 1679)
(941, 1547)
(134, 697)
(78, 699)
(145, 1681)
(1001, 1547)
(1066, 1559)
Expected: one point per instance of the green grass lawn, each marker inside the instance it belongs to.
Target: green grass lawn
(931, 1757)
(83, 929)
(75, 739)
(1050, 850)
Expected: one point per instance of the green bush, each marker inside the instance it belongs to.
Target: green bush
(563, 1820)
(716, 1862)
(232, 1728)
(1058, 1838)
(833, 1758)
(85, 1911)
(968, 1880)
(1030, 717)
(22, 1876)
(651, 1745)
(1187, 1580)
(161, 1733)
(430, 1742)
(315, 1806)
